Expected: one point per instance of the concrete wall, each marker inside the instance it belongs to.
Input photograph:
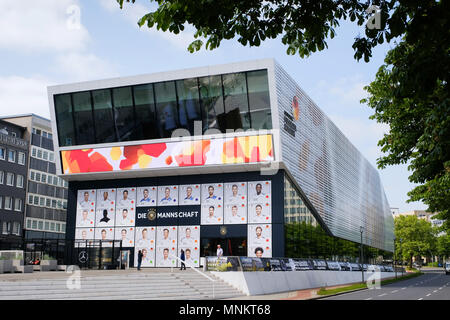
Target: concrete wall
(254, 283)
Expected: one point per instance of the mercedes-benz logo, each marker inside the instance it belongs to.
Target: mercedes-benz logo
(83, 257)
(151, 214)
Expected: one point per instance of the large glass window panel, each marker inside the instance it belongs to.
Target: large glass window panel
(236, 102)
(84, 123)
(123, 113)
(103, 116)
(166, 108)
(145, 113)
(211, 97)
(188, 103)
(64, 120)
(258, 99)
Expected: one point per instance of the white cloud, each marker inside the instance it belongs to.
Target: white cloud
(44, 25)
(24, 95)
(347, 90)
(84, 67)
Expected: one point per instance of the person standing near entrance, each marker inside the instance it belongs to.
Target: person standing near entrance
(219, 251)
(139, 260)
(182, 257)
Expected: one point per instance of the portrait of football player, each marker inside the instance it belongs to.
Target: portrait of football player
(188, 236)
(126, 198)
(189, 194)
(126, 234)
(106, 235)
(166, 236)
(260, 236)
(259, 213)
(85, 218)
(235, 214)
(235, 193)
(145, 237)
(106, 199)
(86, 200)
(83, 235)
(164, 257)
(147, 196)
(212, 194)
(148, 257)
(211, 214)
(125, 217)
(259, 192)
(167, 195)
(105, 218)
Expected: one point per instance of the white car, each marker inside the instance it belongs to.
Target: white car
(447, 267)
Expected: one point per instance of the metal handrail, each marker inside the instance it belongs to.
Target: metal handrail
(196, 270)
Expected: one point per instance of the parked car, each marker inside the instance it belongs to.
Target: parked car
(388, 269)
(333, 265)
(345, 266)
(319, 264)
(355, 266)
(447, 267)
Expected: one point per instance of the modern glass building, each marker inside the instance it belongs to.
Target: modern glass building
(236, 155)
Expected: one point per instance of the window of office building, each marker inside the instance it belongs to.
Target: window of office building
(51, 157)
(16, 228)
(5, 227)
(2, 175)
(44, 178)
(188, 103)
(21, 158)
(236, 102)
(211, 98)
(145, 113)
(103, 116)
(10, 179)
(40, 225)
(166, 108)
(12, 156)
(19, 181)
(63, 111)
(84, 123)
(18, 204)
(45, 155)
(1, 202)
(8, 203)
(123, 113)
(2, 153)
(258, 99)
(30, 199)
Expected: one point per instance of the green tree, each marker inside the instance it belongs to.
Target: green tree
(443, 247)
(410, 92)
(415, 237)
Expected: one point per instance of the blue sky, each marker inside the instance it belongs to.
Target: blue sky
(50, 42)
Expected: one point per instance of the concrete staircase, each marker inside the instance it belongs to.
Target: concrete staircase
(149, 285)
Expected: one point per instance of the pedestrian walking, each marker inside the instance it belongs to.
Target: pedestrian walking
(140, 255)
(182, 257)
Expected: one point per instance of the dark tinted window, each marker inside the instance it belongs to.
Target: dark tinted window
(258, 98)
(211, 96)
(63, 110)
(145, 113)
(236, 104)
(84, 124)
(166, 108)
(123, 113)
(103, 116)
(188, 103)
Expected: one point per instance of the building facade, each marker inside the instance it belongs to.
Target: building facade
(236, 155)
(45, 204)
(13, 174)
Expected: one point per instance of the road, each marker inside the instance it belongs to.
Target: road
(432, 285)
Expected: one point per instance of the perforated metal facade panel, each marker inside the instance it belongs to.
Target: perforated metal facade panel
(344, 188)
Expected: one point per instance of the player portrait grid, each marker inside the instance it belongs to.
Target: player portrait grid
(110, 214)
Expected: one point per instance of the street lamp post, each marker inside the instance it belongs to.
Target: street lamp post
(401, 240)
(362, 264)
(395, 261)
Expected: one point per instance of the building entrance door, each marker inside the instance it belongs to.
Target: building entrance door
(231, 246)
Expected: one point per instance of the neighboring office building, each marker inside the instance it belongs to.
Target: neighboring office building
(114, 137)
(13, 174)
(46, 193)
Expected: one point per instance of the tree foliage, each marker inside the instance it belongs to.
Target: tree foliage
(410, 92)
(414, 237)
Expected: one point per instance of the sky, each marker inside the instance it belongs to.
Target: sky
(49, 42)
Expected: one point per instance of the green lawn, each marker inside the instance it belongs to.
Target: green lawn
(356, 286)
